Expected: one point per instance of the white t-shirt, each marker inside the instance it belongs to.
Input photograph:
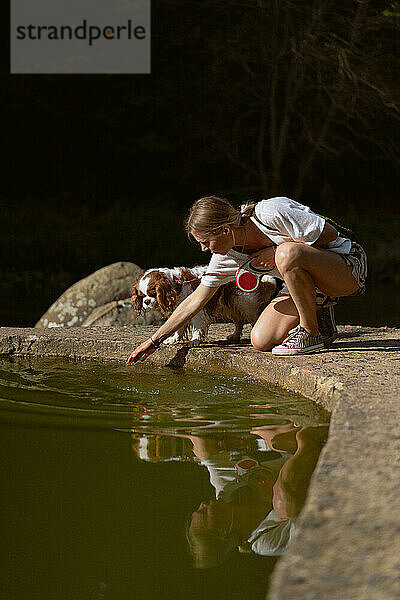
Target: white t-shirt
(223, 475)
(272, 536)
(282, 220)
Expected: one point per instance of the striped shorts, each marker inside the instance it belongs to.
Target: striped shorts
(357, 259)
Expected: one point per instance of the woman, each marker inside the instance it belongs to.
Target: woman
(296, 244)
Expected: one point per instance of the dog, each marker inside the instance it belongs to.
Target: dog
(165, 288)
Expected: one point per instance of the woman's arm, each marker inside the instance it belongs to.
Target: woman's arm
(266, 256)
(181, 315)
(329, 234)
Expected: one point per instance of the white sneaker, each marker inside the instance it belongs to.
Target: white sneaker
(299, 341)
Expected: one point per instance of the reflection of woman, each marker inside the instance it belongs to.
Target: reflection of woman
(256, 504)
(258, 493)
(292, 483)
(243, 499)
(296, 244)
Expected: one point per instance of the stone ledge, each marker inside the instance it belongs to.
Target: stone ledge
(346, 545)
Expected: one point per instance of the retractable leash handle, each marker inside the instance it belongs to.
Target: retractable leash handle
(248, 278)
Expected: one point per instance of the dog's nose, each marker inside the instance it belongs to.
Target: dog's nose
(147, 301)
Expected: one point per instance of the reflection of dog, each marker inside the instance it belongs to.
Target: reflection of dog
(166, 288)
(151, 447)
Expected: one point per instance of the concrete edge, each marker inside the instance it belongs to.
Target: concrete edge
(98, 344)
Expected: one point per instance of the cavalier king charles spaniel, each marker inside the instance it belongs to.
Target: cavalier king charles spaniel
(165, 288)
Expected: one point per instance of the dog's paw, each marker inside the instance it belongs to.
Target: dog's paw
(173, 339)
(233, 337)
(194, 343)
(198, 336)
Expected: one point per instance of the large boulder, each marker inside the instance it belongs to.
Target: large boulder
(119, 313)
(106, 285)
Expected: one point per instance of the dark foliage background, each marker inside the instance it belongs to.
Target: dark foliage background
(247, 98)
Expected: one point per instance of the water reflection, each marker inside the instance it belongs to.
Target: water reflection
(105, 469)
(259, 479)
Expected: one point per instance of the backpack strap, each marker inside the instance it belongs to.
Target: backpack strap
(253, 214)
(342, 229)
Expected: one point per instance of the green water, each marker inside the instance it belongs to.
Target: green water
(104, 490)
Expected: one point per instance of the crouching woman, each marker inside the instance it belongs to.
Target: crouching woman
(316, 263)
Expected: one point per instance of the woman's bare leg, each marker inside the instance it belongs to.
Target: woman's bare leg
(305, 268)
(274, 323)
(291, 487)
(281, 438)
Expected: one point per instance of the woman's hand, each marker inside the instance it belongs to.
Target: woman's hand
(142, 352)
(264, 259)
(181, 315)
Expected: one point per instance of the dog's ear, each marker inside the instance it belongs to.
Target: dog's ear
(136, 300)
(167, 298)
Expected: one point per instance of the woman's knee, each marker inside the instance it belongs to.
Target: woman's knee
(260, 341)
(288, 255)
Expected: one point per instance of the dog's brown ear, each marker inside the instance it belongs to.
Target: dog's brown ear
(167, 298)
(136, 300)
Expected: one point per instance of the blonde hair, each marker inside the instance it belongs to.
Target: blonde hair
(209, 214)
(208, 549)
(247, 208)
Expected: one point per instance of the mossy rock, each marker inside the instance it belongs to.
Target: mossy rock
(120, 313)
(106, 285)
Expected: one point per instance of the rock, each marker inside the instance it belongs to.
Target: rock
(150, 317)
(120, 313)
(106, 285)
(116, 313)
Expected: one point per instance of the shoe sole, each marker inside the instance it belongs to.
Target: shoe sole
(295, 351)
